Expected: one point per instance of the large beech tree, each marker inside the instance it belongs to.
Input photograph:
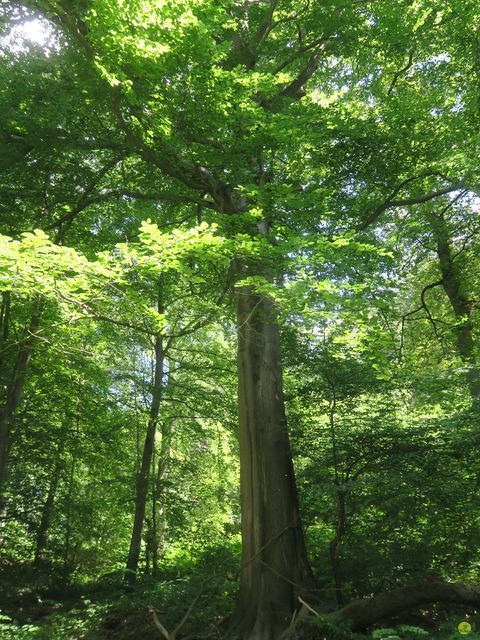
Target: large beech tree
(298, 128)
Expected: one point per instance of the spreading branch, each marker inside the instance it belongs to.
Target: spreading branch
(266, 25)
(162, 155)
(86, 199)
(390, 203)
(296, 87)
(157, 196)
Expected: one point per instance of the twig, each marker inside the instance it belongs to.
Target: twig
(398, 73)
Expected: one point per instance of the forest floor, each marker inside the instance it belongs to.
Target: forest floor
(41, 605)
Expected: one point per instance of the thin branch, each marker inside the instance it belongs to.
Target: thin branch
(91, 313)
(159, 196)
(85, 200)
(465, 242)
(424, 304)
(398, 73)
(452, 202)
(193, 137)
(391, 204)
(189, 611)
(411, 313)
(267, 544)
(266, 25)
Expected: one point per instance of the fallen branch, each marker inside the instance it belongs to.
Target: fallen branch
(360, 614)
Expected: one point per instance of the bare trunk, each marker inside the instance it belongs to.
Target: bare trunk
(460, 302)
(144, 473)
(274, 560)
(148, 525)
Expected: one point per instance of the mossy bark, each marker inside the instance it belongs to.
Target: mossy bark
(461, 303)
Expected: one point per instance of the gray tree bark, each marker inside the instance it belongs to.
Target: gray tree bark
(275, 567)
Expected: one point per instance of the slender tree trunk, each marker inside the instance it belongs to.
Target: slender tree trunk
(160, 495)
(152, 533)
(67, 547)
(460, 302)
(340, 498)
(151, 523)
(4, 323)
(335, 544)
(275, 567)
(47, 510)
(14, 395)
(144, 473)
(148, 525)
(67, 550)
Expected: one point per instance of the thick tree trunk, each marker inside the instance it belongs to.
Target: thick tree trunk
(274, 567)
(144, 473)
(360, 614)
(460, 302)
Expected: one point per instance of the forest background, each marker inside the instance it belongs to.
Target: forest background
(237, 235)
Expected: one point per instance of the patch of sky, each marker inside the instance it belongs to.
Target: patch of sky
(35, 32)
